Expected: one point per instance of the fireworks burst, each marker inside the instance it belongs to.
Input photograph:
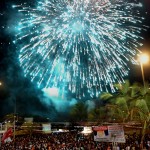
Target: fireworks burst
(79, 45)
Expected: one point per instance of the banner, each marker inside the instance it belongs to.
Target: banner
(113, 133)
(87, 130)
(7, 134)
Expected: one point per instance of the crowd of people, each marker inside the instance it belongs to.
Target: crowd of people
(71, 141)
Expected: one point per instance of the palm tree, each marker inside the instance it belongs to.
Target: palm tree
(143, 105)
(131, 103)
(117, 103)
(79, 112)
(97, 115)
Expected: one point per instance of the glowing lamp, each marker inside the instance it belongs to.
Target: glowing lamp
(144, 58)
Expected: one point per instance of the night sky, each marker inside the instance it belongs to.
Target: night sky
(17, 89)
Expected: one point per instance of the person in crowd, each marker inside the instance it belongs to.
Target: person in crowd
(70, 141)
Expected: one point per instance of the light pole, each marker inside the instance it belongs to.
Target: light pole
(143, 59)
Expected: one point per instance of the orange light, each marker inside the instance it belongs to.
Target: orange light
(143, 58)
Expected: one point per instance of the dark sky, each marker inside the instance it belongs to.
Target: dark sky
(135, 73)
(16, 88)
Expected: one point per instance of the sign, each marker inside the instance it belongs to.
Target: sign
(87, 130)
(113, 133)
(46, 128)
(28, 120)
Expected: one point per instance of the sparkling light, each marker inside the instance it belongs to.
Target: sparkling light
(82, 46)
(144, 58)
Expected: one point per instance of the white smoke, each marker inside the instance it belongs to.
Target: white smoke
(52, 97)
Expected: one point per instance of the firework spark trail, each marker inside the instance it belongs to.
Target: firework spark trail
(78, 44)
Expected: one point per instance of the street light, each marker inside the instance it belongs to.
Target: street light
(143, 59)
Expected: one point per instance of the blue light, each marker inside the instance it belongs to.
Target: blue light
(83, 46)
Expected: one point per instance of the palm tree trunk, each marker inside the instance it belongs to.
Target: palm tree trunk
(143, 133)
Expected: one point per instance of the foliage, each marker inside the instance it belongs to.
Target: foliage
(79, 112)
(130, 104)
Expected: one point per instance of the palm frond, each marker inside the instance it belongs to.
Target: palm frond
(106, 96)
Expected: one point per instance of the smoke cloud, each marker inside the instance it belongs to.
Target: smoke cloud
(52, 98)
